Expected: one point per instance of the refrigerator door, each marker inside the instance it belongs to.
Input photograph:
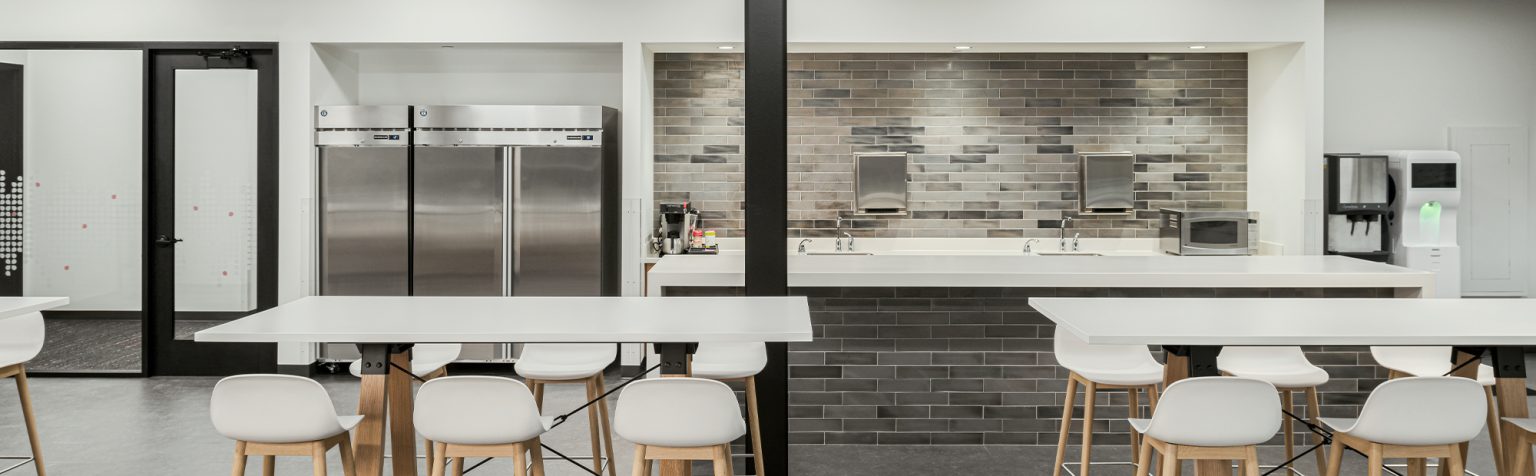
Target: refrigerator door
(557, 221)
(364, 221)
(460, 210)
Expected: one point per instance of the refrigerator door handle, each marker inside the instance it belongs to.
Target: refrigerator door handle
(514, 217)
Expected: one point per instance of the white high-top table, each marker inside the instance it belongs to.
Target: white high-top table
(385, 328)
(1193, 331)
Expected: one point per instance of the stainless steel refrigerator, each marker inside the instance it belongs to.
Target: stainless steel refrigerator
(511, 201)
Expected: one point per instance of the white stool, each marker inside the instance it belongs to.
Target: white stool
(21, 338)
(1435, 362)
(1101, 367)
(679, 419)
(481, 417)
(1209, 418)
(730, 362)
(546, 364)
(1288, 369)
(280, 415)
(1414, 418)
(1523, 440)
(428, 361)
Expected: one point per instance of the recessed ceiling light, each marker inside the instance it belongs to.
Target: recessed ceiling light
(726, 47)
(1197, 47)
(962, 47)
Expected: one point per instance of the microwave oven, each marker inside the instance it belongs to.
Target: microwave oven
(1208, 232)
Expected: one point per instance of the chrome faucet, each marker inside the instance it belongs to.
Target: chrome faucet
(839, 233)
(801, 250)
(1074, 240)
(1029, 245)
(850, 242)
(1062, 245)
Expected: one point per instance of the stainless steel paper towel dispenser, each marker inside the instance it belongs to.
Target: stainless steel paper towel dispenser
(880, 184)
(1106, 183)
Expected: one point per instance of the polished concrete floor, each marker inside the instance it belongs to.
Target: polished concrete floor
(160, 426)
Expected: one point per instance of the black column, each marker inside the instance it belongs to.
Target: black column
(10, 161)
(767, 132)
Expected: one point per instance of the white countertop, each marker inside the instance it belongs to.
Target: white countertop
(397, 320)
(16, 306)
(1048, 271)
(1218, 321)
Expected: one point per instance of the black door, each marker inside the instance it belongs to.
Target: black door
(211, 206)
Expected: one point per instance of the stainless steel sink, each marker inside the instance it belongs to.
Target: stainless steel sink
(839, 253)
(1067, 253)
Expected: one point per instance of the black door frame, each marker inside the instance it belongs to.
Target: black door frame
(151, 350)
(12, 124)
(184, 357)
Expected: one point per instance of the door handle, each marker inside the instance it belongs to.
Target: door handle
(165, 241)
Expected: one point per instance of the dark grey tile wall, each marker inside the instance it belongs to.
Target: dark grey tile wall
(992, 137)
(971, 366)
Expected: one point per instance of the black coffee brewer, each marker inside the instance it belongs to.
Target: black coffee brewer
(677, 223)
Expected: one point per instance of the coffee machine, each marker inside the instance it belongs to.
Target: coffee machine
(1358, 199)
(677, 223)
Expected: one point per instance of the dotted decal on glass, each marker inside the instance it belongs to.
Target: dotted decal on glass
(12, 190)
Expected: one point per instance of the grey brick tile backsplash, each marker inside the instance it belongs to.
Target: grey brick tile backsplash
(975, 366)
(992, 137)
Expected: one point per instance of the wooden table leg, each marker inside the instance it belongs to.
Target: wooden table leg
(674, 363)
(369, 444)
(1509, 367)
(1195, 361)
(402, 434)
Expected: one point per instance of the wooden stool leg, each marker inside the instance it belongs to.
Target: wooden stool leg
(348, 464)
(757, 437)
(1335, 457)
(1143, 458)
(458, 466)
(519, 461)
(538, 393)
(1066, 426)
(536, 453)
(1495, 437)
(317, 454)
(25, 392)
(239, 466)
(1135, 412)
(642, 467)
(268, 465)
(594, 427)
(1417, 466)
(1170, 462)
(438, 464)
(1373, 460)
(723, 460)
(1315, 415)
(1287, 424)
(427, 447)
(1457, 468)
(1089, 392)
(1251, 462)
(607, 430)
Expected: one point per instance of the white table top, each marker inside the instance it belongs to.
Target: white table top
(16, 306)
(375, 320)
(1048, 271)
(1220, 321)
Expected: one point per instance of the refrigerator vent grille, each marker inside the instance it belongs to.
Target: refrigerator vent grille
(500, 129)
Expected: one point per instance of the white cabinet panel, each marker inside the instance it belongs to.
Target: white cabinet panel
(1495, 209)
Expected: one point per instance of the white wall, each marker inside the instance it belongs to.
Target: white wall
(533, 74)
(1401, 72)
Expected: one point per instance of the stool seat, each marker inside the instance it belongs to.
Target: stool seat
(1417, 411)
(1527, 424)
(564, 361)
(17, 353)
(678, 413)
(729, 361)
(21, 338)
(1283, 367)
(1422, 361)
(478, 410)
(425, 359)
(276, 409)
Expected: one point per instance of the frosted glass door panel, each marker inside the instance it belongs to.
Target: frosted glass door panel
(216, 190)
(82, 178)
